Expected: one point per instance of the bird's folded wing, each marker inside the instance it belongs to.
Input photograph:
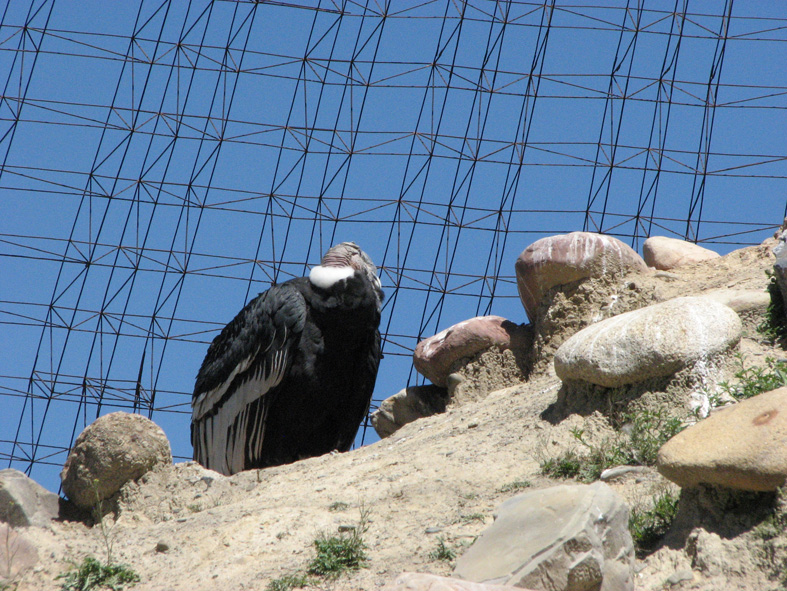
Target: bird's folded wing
(250, 357)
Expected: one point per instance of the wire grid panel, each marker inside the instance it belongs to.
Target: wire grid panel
(162, 162)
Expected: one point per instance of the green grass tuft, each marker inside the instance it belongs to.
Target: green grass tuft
(648, 526)
(515, 485)
(289, 582)
(442, 552)
(337, 554)
(647, 432)
(92, 574)
(756, 380)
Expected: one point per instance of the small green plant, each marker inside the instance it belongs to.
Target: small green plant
(106, 530)
(756, 380)
(471, 517)
(649, 526)
(646, 432)
(92, 574)
(442, 552)
(515, 485)
(649, 431)
(289, 582)
(773, 327)
(337, 554)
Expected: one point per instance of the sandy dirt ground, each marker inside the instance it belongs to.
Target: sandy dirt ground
(438, 478)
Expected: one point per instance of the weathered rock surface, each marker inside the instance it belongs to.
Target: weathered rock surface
(427, 582)
(438, 356)
(568, 537)
(406, 406)
(17, 555)
(114, 449)
(562, 259)
(655, 341)
(24, 502)
(780, 272)
(743, 446)
(741, 300)
(669, 253)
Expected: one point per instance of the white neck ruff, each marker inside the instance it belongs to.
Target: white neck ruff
(325, 277)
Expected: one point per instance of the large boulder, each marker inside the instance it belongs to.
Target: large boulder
(567, 538)
(438, 356)
(566, 258)
(406, 406)
(427, 582)
(669, 253)
(656, 341)
(114, 449)
(743, 446)
(24, 502)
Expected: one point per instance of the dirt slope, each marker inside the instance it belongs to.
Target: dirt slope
(438, 478)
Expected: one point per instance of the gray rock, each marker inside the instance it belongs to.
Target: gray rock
(669, 253)
(114, 449)
(406, 406)
(17, 556)
(651, 342)
(24, 502)
(568, 538)
(563, 259)
(427, 582)
(619, 471)
(679, 576)
(707, 553)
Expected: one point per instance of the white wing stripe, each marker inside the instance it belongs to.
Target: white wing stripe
(207, 400)
(227, 429)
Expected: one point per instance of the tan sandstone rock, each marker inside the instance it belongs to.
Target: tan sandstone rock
(743, 446)
(669, 253)
(562, 259)
(655, 341)
(114, 449)
(427, 582)
(436, 357)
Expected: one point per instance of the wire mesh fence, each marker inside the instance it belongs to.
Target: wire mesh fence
(162, 162)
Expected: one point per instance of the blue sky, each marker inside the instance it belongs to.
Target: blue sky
(163, 162)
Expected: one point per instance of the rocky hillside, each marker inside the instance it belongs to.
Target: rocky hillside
(419, 498)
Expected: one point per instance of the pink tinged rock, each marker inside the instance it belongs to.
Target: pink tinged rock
(656, 341)
(114, 449)
(427, 582)
(434, 358)
(743, 446)
(668, 253)
(562, 259)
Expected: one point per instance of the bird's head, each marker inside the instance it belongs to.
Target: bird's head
(342, 261)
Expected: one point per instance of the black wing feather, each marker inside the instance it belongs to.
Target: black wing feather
(244, 363)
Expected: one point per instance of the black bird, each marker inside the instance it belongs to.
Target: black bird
(292, 375)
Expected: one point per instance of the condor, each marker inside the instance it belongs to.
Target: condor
(292, 375)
